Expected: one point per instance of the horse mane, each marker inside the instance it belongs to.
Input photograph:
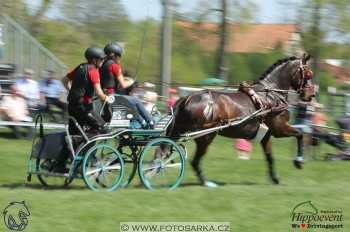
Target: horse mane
(275, 65)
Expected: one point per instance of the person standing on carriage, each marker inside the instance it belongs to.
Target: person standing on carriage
(112, 80)
(82, 82)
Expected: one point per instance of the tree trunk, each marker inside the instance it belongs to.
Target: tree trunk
(220, 67)
(166, 36)
(35, 20)
(316, 34)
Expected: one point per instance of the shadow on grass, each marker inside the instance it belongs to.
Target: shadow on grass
(7, 135)
(137, 186)
(41, 187)
(221, 184)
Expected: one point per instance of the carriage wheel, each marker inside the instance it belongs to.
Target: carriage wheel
(162, 164)
(130, 164)
(48, 178)
(103, 168)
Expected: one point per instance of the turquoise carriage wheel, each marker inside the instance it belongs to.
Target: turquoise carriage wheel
(162, 164)
(103, 168)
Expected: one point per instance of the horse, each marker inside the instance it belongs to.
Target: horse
(208, 109)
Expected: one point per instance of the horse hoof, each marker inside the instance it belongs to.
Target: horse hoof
(210, 184)
(298, 164)
(275, 180)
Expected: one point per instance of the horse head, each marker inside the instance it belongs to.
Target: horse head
(302, 79)
(291, 73)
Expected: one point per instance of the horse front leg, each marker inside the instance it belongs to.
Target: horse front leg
(289, 131)
(299, 158)
(266, 145)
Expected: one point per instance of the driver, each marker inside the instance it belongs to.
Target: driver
(82, 82)
(112, 79)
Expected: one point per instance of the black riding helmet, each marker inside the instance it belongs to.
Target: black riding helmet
(94, 53)
(113, 48)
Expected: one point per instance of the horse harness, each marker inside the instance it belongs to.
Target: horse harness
(264, 98)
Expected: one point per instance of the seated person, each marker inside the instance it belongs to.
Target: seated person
(344, 122)
(14, 108)
(52, 90)
(29, 89)
(318, 118)
(112, 79)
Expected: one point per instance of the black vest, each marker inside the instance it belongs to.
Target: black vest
(108, 80)
(81, 84)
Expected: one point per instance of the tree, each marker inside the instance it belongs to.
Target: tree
(14, 8)
(34, 20)
(323, 20)
(20, 11)
(220, 65)
(101, 19)
(239, 11)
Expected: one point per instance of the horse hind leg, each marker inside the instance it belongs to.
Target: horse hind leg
(202, 147)
(266, 145)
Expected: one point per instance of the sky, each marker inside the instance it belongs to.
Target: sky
(268, 11)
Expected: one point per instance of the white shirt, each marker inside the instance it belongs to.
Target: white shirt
(51, 89)
(15, 108)
(29, 89)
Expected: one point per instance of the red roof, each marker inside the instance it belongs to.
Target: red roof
(247, 38)
(342, 74)
(335, 70)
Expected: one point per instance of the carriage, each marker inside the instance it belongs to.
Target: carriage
(110, 160)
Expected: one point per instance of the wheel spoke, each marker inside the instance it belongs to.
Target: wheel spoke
(175, 165)
(103, 168)
(93, 171)
(109, 162)
(151, 167)
(171, 158)
(161, 167)
(151, 173)
(113, 167)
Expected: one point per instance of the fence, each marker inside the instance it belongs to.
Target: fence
(20, 48)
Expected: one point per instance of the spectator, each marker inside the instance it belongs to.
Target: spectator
(304, 111)
(172, 98)
(52, 90)
(318, 117)
(14, 108)
(244, 148)
(29, 89)
(149, 96)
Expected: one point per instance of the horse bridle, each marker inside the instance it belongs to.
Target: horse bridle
(305, 73)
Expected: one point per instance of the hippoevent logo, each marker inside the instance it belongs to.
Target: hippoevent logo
(305, 215)
(16, 216)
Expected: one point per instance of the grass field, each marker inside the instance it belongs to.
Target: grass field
(245, 198)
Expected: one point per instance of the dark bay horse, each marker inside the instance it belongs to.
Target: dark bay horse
(208, 109)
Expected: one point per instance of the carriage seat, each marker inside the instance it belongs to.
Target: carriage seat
(124, 114)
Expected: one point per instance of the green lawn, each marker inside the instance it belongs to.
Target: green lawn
(246, 198)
